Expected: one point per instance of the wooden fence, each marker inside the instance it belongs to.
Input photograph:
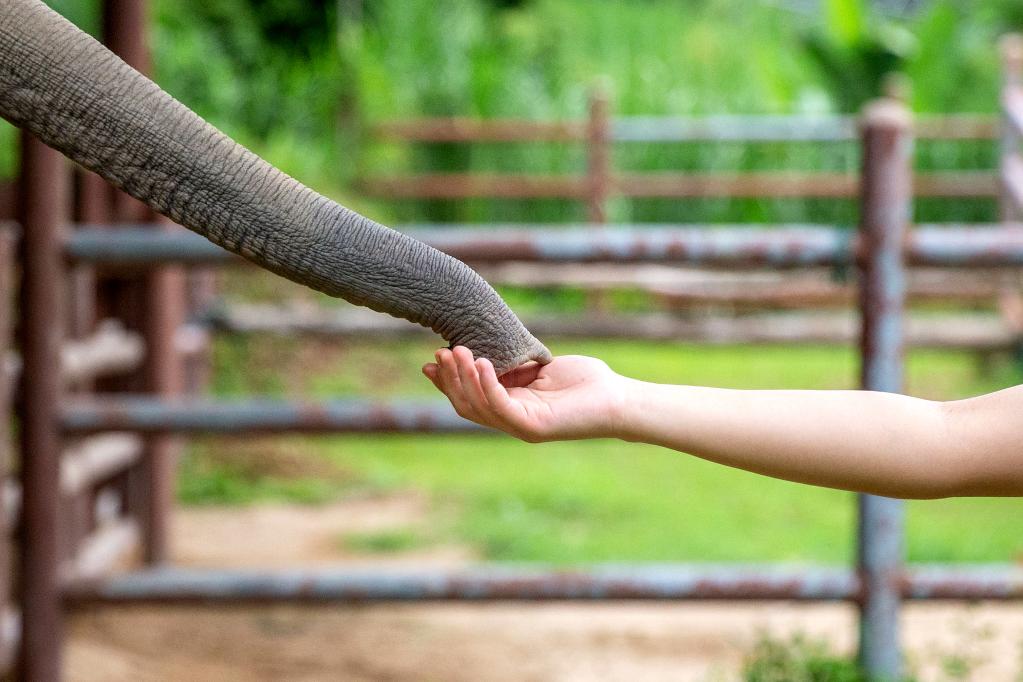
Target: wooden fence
(601, 181)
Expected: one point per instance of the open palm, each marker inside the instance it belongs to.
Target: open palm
(572, 397)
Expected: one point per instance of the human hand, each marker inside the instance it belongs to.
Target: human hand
(572, 397)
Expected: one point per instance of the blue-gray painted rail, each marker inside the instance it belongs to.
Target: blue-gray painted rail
(719, 245)
(516, 583)
(146, 414)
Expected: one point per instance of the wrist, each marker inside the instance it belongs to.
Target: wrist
(626, 409)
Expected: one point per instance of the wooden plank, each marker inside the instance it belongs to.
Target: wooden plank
(480, 130)
(112, 350)
(750, 290)
(111, 546)
(973, 282)
(97, 459)
(784, 184)
(470, 185)
(982, 331)
(958, 184)
(775, 184)
(722, 128)
(812, 294)
(956, 127)
(788, 184)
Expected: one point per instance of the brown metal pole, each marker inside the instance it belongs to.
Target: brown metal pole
(885, 212)
(165, 312)
(92, 207)
(124, 32)
(598, 176)
(92, 201)
(158, 301)
(8, 241)
(42, 202)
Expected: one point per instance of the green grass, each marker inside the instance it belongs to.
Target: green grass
(599, 500)
(798, 659)
(384, 542)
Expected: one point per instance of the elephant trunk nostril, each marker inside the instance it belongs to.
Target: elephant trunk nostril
(542, 355)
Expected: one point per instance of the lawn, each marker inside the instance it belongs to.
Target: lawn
(583, 501)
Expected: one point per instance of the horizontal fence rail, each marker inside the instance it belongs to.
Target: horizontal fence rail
(969, 331)
(725, 128)
(146, 414)
(720, 245)
(761, 184)
(726, 582)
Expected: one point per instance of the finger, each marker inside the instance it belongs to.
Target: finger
(497, 395)
(470, 379)
(431, 370)
(452, 385)
(522, 375)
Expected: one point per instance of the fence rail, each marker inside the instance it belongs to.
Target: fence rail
(979, 332)
(663, 583)
(721, 128)
(599, 131)
(773, 184)
(710, 245)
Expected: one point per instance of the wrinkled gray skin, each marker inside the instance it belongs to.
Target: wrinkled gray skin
(81, 99)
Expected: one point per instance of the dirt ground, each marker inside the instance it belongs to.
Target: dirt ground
(456, 642)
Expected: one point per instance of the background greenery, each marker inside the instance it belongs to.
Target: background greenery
(303, 80)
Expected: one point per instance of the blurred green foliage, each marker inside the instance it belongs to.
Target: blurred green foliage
(299, 80)
(798, 659)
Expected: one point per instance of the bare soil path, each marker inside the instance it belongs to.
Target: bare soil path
(456, 642)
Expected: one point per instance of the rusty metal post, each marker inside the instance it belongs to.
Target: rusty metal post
(598, 159)
(158, 300)
(886, 198)
(165, 311)
(1011, 49)
(42, 203)
(8, 640)
(124, 23)
(92, 207)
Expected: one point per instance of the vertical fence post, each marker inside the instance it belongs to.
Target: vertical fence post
(1011, 49)
(41, 207)
(157, 301)
(165, 310)
(8, 639)
(598, 167)
(886, 197)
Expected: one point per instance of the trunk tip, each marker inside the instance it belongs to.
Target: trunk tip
(541, 354)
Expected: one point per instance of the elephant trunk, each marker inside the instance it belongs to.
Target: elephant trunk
(79, 98)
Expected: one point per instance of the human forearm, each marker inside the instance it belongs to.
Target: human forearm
(855, 440)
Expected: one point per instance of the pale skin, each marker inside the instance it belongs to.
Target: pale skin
(879, 443)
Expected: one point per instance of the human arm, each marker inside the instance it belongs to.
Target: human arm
(879, 443)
